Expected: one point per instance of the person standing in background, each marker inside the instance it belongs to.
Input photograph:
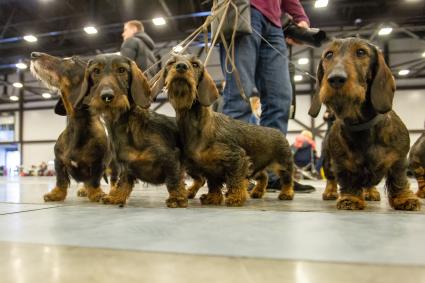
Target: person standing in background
(138, 46)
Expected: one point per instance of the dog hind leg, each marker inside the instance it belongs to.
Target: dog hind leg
(62, 183)
(198, 182)
(261, 186)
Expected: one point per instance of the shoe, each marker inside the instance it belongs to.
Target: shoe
(274, 186)
(303, 189)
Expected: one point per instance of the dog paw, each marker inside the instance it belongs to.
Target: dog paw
(421, 193)
(287, 194)
(405, 201)
(350, 202)
(372, 194)
(82, 192)
(55, 195)
(212, 198)
(329, 196)
(108, 199)
(257, 193)
(174, 202)
(235, 201)
(95, 195)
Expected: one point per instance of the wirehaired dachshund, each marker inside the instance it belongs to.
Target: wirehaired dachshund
(82, 150)
(417, 164)
(368, 140)
(217, 147)
(146, 144)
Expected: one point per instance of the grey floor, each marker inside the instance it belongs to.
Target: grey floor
(270, 232)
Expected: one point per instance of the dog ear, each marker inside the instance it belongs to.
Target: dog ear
(60, 108)
(85, 86)
(140, 91)
(316, 104)
(207, 90)
(383, 85)
(159, 85)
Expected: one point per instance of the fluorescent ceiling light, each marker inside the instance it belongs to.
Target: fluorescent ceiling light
(30, 38)
(21, 66)
(46, 95)
(90, 30)
(298, 78)
(403, 72)
(385, 31)
(159, 21)
(423, 54)
(303, 61)
(14, 98)
(320, 3)
(17, 84)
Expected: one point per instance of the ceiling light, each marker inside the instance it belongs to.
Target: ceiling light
(403, 72)
(46, 95)
(303, 61)
(90, 30)
(320, 3)
(177, 48)
(423, 54)
(14, 98)
(298, 78)
(21, 66)
(17, 84)
(30, 38)
(159, 21)
(385, 31)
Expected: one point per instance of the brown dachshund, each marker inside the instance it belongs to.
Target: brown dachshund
(368, 141)
(146, 144)
(83, 150)
(417, 164)
(219, 148)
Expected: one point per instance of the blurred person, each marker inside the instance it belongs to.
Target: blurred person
(256, 110)
(304, 149)
(139, 47)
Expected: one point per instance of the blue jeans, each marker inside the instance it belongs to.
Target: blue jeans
(261, 66)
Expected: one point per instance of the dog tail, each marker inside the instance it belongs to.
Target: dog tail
(105, 177)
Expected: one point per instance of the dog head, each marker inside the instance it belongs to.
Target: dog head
(63, 74)
(352, 76)
(113, 84)
(186, 81)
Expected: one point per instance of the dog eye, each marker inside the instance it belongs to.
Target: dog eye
(121, 70)
(361, 52)
(96, 71)
(195, 65)
(329, 55)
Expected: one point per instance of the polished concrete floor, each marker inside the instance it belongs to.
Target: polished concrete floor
(304, 240)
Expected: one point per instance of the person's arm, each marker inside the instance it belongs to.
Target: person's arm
(129, 49)
(296, 10)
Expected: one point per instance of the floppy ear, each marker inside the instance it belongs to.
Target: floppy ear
(60, 108)
(207, 90)
(159, 85)
(140, 91)
(85, 87)
(383, 85)
(316, 104)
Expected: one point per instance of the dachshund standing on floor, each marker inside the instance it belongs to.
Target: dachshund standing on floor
(417, 164)
(219, 148)
(83, 150)
(368, 140)
(146, 144)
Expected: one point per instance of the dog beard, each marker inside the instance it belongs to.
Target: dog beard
(113, 111)
(182, 93)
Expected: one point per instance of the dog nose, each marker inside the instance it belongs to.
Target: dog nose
(182, 67)
(35, 55)
(337, 79)
(107, 95)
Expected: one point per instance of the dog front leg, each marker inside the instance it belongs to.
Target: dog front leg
(399, 194)
(420, 178)
(122, 192)
(351, 195)
(198, 182)
(214, 195)
(62, 183)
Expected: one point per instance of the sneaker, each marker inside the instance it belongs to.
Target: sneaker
(274, 186)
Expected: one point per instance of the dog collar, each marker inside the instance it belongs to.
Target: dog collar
(366, 125)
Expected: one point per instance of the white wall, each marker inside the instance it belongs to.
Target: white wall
(35, 153)
(42, 125)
